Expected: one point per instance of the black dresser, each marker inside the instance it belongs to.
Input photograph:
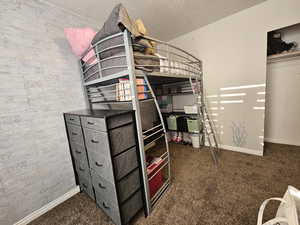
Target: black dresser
(106, 161)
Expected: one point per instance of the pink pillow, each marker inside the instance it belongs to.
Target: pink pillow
(80, 40)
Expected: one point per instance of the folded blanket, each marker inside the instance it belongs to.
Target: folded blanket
(117, 21)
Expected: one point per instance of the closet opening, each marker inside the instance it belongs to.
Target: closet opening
(282, 124)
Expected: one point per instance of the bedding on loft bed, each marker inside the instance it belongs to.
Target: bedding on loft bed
(113, 60)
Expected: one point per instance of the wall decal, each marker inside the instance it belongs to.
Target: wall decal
(239, 133)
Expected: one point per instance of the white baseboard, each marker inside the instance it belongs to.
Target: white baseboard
(242, 150)
(48, 207)
(282, 141)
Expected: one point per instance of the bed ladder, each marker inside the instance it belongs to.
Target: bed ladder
(204, 119)
(162, 130)
(142, 135)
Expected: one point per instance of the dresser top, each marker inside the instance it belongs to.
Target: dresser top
(99, 112)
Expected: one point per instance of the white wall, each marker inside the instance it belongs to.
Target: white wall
(233, 51)
(282, 102)
(39, 80)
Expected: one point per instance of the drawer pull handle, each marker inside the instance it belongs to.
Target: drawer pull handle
(71, 119)
(90, 123)
(81, 169)
(93, 141)
(105, 206)
(84, 185)
(73, 133)
(78, 152)
(98, 164)
(101, 186)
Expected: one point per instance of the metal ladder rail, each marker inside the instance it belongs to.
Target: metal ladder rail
(199, 111)
(161, 120)
(204, 117)
(136, 108)
(205, 113)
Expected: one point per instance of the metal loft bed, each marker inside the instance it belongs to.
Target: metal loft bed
(115, 74)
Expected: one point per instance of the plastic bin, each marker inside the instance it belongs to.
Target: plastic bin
(190, 109)
(165, 103)
(193, 125)
(172, 122)
(195, 140)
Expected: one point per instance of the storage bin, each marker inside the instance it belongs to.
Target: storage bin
(157, 181)
(193, 125)
(165, 103)
(172, 122)
(195, 140)
(190, 109)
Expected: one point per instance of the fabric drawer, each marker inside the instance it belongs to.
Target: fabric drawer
(102, 166)
(120, 120)
(130, 208)
(98, 153)
(106, 190)
(78, 152)
(125, 162)
(97, 142)
(86, 185)
(82, 168)
(109, 209)
(72, 119)
(122, 138)
(128, 185)
(75, 134)
(93, 123)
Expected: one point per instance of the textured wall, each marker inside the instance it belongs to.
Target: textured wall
(39, 80)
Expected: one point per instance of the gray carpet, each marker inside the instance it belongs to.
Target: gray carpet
(200, 193)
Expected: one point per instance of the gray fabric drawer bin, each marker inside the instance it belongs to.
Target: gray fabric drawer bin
(105, 189)
(86, 185)
(97, 142)
(102, 166)
(93, 123)
(128, 185)
(131, 207)
(105, 159)
(72, 119)
(125, 163)
(122, 138)
(82, 168)
(109, 209)
(120, 120)
(78, 152)
(75, 134)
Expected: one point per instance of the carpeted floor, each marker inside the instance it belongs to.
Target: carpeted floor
(200, 193)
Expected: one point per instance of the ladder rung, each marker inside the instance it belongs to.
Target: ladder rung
(148, 144)
(152, 129)
(160, 130)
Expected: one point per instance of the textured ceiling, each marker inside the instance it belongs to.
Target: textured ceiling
(165, 19)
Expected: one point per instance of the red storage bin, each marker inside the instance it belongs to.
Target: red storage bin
(157, 181)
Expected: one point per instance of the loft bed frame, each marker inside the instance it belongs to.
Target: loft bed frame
(102, 76)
